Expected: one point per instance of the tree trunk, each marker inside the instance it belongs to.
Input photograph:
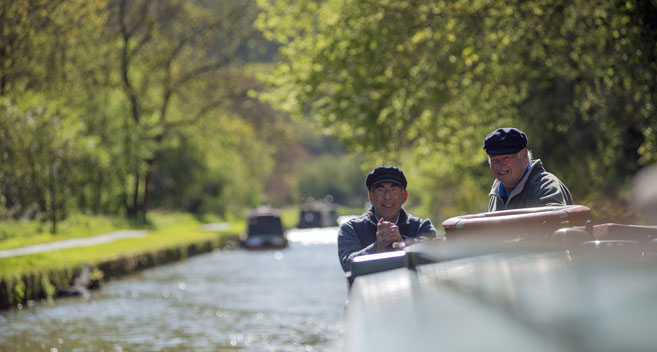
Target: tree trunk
(133, 209)
(53, 200)
(147, 185)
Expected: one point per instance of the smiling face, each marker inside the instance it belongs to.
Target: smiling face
(509, 168)
(387, 199)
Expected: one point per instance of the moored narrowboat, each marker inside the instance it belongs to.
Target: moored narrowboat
(264, 229)
(317, 213)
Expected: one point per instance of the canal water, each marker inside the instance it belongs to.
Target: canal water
(228, 300)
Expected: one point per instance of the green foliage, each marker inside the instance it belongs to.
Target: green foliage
(21, 228)
(41, 144)
(19, 291)
(588, 75)
(47, 287)
(346, 211)
(175, 59)
(238, 165)
(338, 176)
(290, 217)
(123, 106)
(118, 107)
(163, 220)
(420, 83)
(37, 39)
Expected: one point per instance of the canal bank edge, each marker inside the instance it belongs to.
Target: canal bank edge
(48, 284)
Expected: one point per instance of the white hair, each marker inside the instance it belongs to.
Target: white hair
(519, 156)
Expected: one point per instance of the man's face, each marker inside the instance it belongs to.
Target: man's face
(509, 168)
(387, 198)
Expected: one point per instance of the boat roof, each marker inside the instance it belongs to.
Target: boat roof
(264, 210)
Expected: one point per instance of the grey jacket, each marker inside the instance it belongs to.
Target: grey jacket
(358, 235)
(536, 189)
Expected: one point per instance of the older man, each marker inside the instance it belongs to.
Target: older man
(385, 226)
(519, 181)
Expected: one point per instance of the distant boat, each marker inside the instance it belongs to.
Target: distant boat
(264, 229)
(317, 213)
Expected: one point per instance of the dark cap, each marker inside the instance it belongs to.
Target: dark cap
(506, 140)
(385, 174)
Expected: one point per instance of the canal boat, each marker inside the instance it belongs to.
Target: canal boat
(317, 213)
(264, 229)
(536, 279)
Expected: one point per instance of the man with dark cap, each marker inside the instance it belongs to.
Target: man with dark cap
(520, 182)
(385, 226)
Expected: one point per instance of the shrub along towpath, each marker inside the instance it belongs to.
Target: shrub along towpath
(47, 270)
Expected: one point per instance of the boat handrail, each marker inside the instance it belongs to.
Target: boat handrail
(549, 218)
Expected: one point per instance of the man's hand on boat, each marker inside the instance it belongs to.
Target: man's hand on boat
(387, 233)
(404, 243)
(388, 236)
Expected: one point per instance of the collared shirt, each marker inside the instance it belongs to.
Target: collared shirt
(378, 218)
(536, 189)
(502, 191)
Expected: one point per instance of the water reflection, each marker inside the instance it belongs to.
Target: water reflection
(286, 300)
(324, 235)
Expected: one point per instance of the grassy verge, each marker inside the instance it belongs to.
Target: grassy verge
(170, 237)
(350, 211)
(170, 230)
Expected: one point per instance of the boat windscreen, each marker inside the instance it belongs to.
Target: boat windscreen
(270, 225)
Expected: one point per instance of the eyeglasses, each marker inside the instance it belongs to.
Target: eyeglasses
(381, 191)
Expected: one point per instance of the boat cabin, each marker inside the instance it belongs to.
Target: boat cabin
(264, 229)
(317, 214)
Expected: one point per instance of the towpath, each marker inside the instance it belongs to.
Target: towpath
(91, 241)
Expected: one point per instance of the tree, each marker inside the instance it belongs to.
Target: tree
(39, 41)
(157, 104)
(588, 86)
(337, 176)
(420, 83)
(45, 140)
(21, 23)
(41, 144)
(175, 58)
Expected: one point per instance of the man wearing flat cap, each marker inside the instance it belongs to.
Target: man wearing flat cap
(386, 226)
(520, 182)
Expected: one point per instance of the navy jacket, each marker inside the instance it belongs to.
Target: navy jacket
(358, 235)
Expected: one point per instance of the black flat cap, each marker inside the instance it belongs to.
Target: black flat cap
(506, 140)
(385, 174)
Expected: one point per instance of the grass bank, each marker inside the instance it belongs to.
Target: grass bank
(170, 237)
(21, 233)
